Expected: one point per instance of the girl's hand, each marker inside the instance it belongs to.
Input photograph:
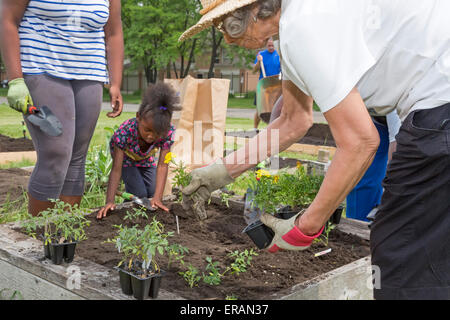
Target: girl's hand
(156, 203)
(103, 211)
(116, 102)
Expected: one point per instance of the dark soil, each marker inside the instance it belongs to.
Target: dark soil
(12, 184)
(319, 135)
(216, 238)
(8, 144)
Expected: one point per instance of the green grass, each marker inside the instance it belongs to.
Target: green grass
(18, 164)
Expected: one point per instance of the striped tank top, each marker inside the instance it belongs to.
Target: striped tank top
(65, 39)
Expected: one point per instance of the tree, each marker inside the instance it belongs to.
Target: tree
(190, 48)
(150, 34)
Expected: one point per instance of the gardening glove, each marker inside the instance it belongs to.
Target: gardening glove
(18, 95)
(287, 235)
(204, 181)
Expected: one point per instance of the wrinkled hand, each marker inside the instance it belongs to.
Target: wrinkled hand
(287, 235)
(259, 57)
(18, 95)
(157, 203)
(204, 181)
(116, 102)
(110, 206)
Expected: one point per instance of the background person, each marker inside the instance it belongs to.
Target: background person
(59, 54)
(355, 55)
(272, 67)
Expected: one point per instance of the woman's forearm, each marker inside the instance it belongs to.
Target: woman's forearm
(357, 142)
(294, 122)
(345, 171)
(115, 56)
(278, 136)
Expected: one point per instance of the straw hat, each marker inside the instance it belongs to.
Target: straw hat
(213, 9)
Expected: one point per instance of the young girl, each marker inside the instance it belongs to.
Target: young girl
(134, 147)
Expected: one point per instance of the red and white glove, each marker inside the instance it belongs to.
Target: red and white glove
(287, 235)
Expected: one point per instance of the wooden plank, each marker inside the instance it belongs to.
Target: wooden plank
(30, 286)
(95, 281)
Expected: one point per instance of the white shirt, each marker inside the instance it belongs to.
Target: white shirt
(65, 39)
(396, 52)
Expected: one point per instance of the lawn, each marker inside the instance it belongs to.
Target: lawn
(11, 124)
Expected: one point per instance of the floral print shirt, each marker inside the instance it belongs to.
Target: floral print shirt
(126, 138)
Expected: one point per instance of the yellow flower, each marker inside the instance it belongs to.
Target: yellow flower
(276, 179)
(262, 173)
(299, 164)
(169, 157)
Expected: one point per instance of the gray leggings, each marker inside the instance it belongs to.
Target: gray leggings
(60, 166)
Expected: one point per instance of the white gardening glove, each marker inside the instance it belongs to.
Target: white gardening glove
(204, 181)
(287, 235)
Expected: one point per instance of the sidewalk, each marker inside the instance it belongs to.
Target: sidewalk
(231, 113)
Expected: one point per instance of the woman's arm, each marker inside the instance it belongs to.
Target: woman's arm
(294, 122)
(161, 178)
(11, 13)
(357, 142)
(113, 182)
(115, 56)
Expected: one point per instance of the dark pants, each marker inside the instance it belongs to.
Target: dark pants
(60, 166)
(410, 238)
(140, 182)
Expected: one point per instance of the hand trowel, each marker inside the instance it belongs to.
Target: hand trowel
(44, 119)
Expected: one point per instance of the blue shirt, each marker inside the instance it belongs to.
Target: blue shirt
(271, 63)
(65, 39)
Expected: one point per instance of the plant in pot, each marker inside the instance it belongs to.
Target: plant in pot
(63, 227)
(140, 274)
(282, 195)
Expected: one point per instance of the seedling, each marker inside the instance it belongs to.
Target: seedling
(182, 177)
(176, 252)
(324, 238)
(213, 276)
(242, 261)
(191, 276)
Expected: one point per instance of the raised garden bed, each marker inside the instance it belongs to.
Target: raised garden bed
(319, 135)
(8, 144)
(14, 150)
(12, 184)
(286, 275)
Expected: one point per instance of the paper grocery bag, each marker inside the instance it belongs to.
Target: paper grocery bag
(200, 131)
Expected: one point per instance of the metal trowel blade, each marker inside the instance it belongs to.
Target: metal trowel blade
(45, 120)
(252, 213)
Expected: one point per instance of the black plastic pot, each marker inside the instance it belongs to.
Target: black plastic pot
(260, 234)
(156, 284)
(69, 251)
(336, 217)
(46, 248)
(125, 281)
(57, 252)
(140, 286)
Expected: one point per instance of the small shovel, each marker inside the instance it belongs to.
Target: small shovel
(140, 202)
(44, 119)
